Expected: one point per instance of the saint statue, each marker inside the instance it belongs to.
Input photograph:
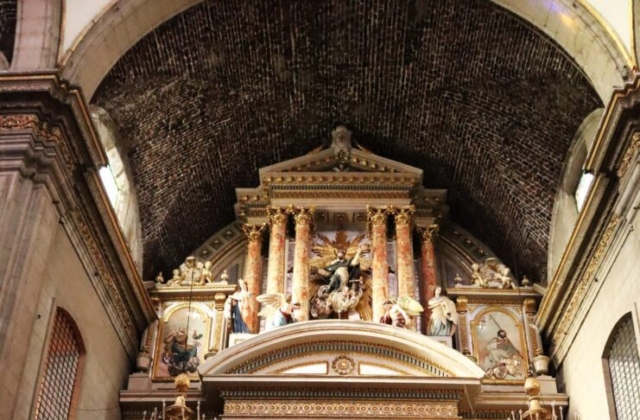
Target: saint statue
(179, 354)
(238, 307)
(190, 271)
(400, 312)
(444, 317)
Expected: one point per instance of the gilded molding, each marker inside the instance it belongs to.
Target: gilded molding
(585, 282)
(343, 408)
(628, 155)
(301, 215)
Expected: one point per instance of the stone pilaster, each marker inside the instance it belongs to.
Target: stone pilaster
(404, 251)
(300, 288)
(428, 267)
(277, 236)
(377, 220)
(253, 272)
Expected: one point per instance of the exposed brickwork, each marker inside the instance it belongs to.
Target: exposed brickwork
(482, 101)
(8, 13)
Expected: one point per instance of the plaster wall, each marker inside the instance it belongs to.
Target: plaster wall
(620, 294)
(106, 366)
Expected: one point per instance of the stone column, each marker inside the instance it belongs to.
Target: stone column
(300, 288)
(253, 272)
(404, 251)
(32, 193)
(377, 220)
(275, 271)
(428, 267)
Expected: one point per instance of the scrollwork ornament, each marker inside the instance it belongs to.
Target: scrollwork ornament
(628, 155)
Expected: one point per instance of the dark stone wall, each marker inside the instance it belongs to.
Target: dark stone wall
(482, 101)
(8, 13)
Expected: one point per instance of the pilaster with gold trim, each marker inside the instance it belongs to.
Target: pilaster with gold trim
(404, 250)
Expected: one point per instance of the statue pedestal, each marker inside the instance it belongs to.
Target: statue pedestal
(235, 338)
(444, 339)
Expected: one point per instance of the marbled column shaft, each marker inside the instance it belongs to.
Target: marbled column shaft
(377, 219)
(301, 271)
(404, 252)
(253, 273)
(275, 270)
(428, 266)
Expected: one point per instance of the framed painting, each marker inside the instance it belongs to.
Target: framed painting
(182, 341)
(499, 344)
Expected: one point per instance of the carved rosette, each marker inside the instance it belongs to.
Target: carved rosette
(253, 271)
(377, 222)
(300, 288)
(275, 270)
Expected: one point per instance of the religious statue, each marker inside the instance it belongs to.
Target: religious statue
(492, 274)
(176, 279)
(341, 141)
(190, 271)
(179, 355)
(340, 284)
(400, 312)
(444, 317)
(206, 276)
(277, 311)
(159, 279)
(237, 308)
(503, 358)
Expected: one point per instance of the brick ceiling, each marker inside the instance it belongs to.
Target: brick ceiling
(479, 99)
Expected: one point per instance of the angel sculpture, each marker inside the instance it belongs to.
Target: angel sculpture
(399, 312)
(276, 310)
(339, 282)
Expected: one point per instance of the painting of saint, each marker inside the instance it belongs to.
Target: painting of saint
(499, 345)
(182, 347)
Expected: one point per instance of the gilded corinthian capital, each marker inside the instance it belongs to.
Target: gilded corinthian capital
(429, 234)
(253, 232)
(403, 215)
(301, 215)
(377, 215)
(277, 215)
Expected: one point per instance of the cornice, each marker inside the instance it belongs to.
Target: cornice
(56, 116)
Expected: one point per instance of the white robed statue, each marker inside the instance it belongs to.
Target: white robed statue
(444, 317)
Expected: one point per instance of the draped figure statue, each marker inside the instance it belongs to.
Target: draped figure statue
(444, 317)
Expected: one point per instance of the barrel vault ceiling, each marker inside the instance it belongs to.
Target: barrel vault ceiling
(479, 99)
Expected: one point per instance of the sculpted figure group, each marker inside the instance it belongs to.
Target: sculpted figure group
(191, 273)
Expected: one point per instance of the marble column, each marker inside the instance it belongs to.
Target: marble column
(377, 220)
(275, 270)
(404, 251)
(300, 288)
(253, 272)
(428, 267)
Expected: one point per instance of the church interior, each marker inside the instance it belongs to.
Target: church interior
(336, 209)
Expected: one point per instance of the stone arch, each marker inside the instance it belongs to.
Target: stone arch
(577, 31)
(37, 35)
(367, 344)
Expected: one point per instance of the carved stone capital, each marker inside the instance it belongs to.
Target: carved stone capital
(429, 234)
(253, 232)
(301, 215)
(403, 215)
(377, 215)
(276, 215)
